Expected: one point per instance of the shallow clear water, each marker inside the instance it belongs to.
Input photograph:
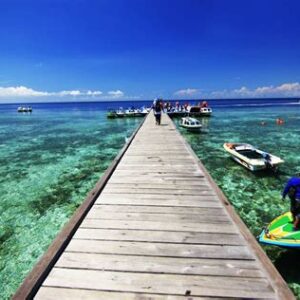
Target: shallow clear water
(256, 196)
(49, 160)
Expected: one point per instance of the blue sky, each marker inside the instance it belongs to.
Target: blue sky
(141, 49)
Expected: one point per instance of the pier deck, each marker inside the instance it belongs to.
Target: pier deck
(161, 229)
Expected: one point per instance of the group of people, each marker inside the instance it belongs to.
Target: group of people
(159, 106)
(279, 121)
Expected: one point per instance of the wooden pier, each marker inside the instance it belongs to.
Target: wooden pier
(160, 228)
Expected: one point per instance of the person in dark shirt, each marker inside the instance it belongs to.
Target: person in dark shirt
(292, 189)
(157, 111)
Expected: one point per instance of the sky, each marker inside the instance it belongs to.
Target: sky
(90, 50)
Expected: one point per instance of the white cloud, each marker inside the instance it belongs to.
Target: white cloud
(283, 90)
(69, 93)
(116, 94)
(94, 93)
(21, 91)
(186, 92)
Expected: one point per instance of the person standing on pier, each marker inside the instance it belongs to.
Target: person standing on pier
(157, 111)
(292, 189)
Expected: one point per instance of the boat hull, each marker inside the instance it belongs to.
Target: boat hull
(256, 163)
(280, 233)
(246, 165)
(192, 129)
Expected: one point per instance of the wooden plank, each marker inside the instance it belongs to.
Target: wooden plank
(154, 191)
(160, 249)
(159, 172)
(160, 181)
(163, 180)
(54, 293)
(160, 284)
(159, 236)
(98, 214)
(166, 186)
(212, 211)
(166, 168)
(148, 225)
(160, 265)
(206, 195)
(127, 200)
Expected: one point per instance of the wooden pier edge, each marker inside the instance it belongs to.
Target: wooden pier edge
(35, 278)
(278, 283)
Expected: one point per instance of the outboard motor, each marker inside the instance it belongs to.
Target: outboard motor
(268, 162)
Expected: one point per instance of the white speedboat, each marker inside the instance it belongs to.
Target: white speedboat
(130, 112)
(199, 111)
(24, 109)
(190, 124)
(205, 111)
(251, 157)
(120, 113)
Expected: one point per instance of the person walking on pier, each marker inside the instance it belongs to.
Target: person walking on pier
(292, 189)
(157, 111)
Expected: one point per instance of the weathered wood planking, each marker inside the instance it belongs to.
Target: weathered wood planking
(163, 284)
(154, 264)
(159, 236)
(50, 293)
(160, 229)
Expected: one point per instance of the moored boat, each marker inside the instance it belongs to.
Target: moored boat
(191, 124)
(251, 157)
(111, 114)
(205, 111)
(280, 233)
(24, 109)
(120, 113)
(130, 112)
(200, 110)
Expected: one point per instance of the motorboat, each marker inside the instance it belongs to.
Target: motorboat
(176, 112)
(111, 114)
(201, 110)
(120, 113)
(193, 110)
(145, 110)
(251, 157)
(205, 111)
(130, 112)
(24, 109)
(134, 112)
(280, 232)
(191, 124)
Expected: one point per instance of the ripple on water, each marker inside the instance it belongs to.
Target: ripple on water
(51, 161)
(256, 197)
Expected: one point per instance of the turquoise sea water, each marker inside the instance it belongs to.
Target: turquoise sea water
(50, 159)
(255, 196)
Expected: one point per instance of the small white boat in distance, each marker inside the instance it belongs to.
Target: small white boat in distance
(252, 158)
(205, 111)
(190, 124)
(24, 109)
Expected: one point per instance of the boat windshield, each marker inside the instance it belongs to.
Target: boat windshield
(249, 153)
